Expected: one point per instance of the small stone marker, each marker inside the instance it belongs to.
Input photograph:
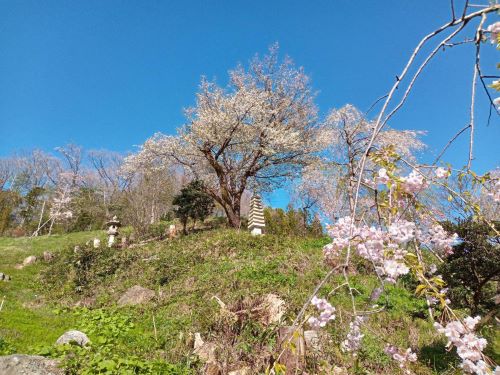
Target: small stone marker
(256, 222)
(97, 243)
(172, 231)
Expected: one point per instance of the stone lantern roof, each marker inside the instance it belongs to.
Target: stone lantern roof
(114, 222)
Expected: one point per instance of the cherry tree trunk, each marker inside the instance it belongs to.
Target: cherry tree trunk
(233, 216)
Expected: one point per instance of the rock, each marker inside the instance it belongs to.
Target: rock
(17, 364)
(241, 371)
(124, 244)
(340, 371)
(18, 266)
(73, 335)
(97, 243)
(131, 238)
(274, 308)
(136, 295)
(291, 341)
(212, 368)
(152, 257)
(76, 249)
(47, 256)
(4, 277)
(86, 302)
(312, 340)
(198, 341)
(29, 260)
(204, 350)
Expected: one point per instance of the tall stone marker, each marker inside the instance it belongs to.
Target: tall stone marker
(256, 222)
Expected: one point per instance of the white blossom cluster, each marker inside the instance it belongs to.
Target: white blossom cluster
(382, 177)
(438, 239)
(401, 356)
(494, 30)
(352, 343)
(495, 191)
(340, 234)
(371, 243)
(469, 345)
(441, 172)
(326, 313)
(385, 248)
(414, 182)
(402, 231)
(60, 206)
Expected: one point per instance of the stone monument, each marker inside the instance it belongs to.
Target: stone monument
(256, 222)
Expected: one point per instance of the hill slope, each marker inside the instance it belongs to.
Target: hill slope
(189, 275)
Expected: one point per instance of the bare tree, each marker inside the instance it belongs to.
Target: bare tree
(108, 165)
(72, 155)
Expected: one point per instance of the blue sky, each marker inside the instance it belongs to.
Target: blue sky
(109, 74)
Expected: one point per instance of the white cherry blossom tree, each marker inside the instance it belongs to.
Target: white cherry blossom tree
(254, 133)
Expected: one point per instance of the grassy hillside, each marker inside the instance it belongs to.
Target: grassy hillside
(45, 299)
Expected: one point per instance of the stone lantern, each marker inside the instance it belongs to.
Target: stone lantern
(113, 226)
(256, 222)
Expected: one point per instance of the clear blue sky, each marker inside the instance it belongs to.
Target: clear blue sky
(108, 74)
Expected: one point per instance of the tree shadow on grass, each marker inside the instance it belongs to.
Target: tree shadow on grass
(436, 356)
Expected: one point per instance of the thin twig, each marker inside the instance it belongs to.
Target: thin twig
(465, 8)
(375, 103)
(473, 94)
(154, 327)
(449, 143)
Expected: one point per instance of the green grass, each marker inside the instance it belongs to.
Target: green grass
(26, 319)
(187, 273)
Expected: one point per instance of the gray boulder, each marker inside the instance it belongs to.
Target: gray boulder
(73, 335)
(136, 295)
(17, 364)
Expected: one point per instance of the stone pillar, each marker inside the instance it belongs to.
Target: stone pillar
(172, 231)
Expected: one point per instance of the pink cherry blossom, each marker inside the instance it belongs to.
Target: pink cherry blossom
(414, 182)
(382, 177)
(326, 313)
(441, 172)
(494, 29)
